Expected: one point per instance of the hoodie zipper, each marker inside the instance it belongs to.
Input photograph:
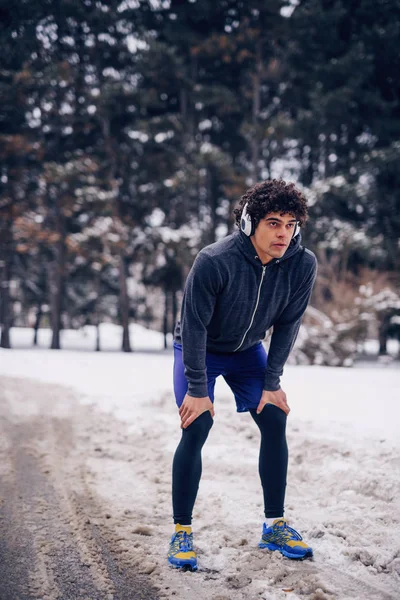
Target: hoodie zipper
(254, 312)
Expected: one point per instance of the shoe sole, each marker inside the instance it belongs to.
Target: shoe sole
(308, 553)
(185, 566)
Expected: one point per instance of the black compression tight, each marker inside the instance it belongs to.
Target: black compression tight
(273, 461)
(186, 467)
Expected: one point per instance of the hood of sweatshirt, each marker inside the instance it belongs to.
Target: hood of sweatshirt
(245, 245)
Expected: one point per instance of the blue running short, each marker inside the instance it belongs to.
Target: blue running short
(244, 372)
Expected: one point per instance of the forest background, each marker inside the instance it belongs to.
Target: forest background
(129, 130)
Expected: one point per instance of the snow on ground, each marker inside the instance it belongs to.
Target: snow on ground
(343, 483)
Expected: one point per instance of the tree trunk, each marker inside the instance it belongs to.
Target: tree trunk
(123, 299)
(97, 337)
(383, 335)
(6, 259)
(57, 278)
(255, 142)
(174, 311)
(57, 267)
(212, 203)
(307, 168)
(124, 304)
(165, 320)
(186, 103)
(6, 310)
(37, 322)
(382, 343)
(95, 309)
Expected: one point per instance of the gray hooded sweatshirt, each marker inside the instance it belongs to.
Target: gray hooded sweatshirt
(231, 300)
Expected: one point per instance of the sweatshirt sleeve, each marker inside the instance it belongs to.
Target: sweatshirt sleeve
(201, 289)
(285, 331)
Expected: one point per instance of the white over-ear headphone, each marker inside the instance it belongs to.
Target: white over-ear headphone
(247, 224)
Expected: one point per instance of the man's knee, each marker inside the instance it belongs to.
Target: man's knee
(271, 420)
(200, 427)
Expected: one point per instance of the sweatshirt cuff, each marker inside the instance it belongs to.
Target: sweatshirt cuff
(272, 382)
(197, 390)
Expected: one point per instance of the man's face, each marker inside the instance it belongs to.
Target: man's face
(273, 234)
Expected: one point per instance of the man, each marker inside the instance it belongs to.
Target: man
(256, 278)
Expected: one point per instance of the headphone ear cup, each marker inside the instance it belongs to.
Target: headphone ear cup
(246, 222)
(244, 225)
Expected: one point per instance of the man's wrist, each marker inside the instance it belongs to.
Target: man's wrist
(272, 384)
(197, 391)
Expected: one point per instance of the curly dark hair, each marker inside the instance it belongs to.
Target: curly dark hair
(273, 195)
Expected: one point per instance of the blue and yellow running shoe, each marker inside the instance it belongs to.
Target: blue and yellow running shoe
(285, 539)
(181, 553)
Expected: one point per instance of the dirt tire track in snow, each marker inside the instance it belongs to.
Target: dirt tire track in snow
(49, 547)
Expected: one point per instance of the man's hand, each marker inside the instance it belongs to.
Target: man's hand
(191, 408)
(278, 398)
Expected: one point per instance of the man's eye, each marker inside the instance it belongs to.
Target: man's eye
(272, 224)
(291, 225)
